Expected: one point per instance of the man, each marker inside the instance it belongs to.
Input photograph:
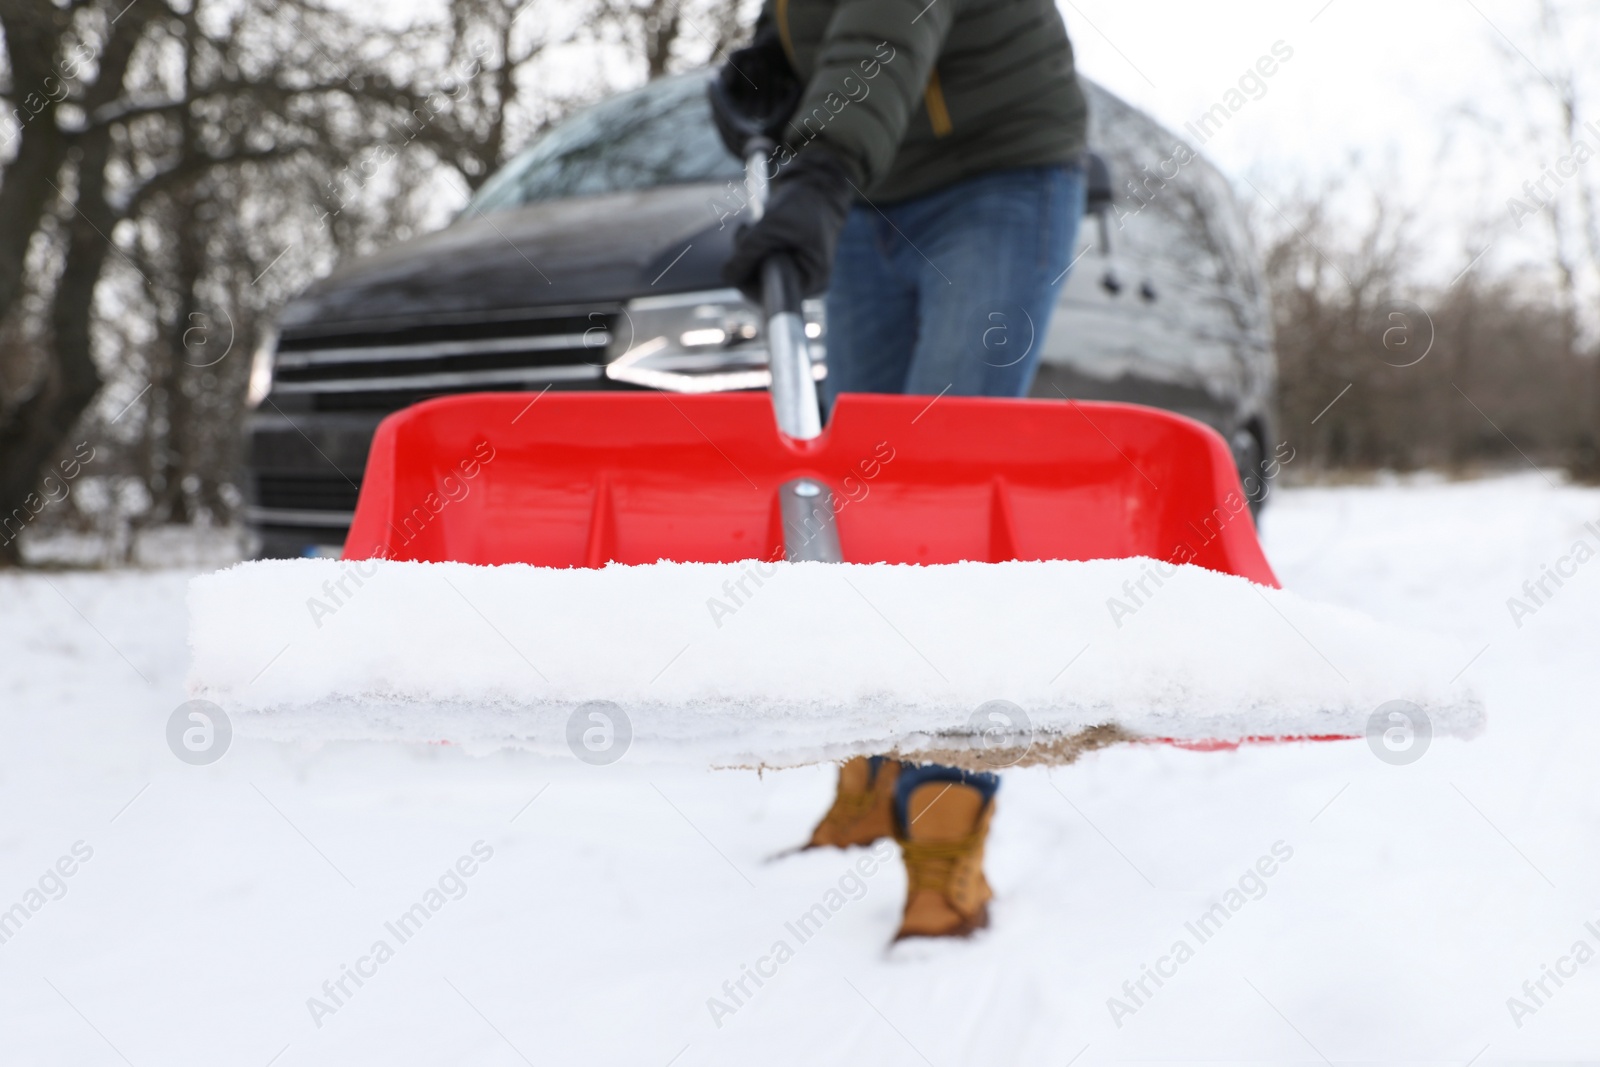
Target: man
(931, 169)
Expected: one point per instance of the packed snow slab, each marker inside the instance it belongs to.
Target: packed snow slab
(790, 663)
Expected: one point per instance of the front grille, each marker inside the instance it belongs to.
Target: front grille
(385, 368)
(383, 401)
(305, 492)
(377, 367)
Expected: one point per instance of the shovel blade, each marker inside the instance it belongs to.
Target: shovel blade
(585, 479)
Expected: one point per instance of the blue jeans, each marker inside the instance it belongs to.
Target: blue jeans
(915, 774)
(952, 290)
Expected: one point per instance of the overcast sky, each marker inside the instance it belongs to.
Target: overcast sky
(1365, 75)
(1385, 80)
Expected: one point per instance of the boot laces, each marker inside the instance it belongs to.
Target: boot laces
(931, 865)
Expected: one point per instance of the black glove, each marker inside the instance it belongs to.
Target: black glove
(805, 212)
(755, 93)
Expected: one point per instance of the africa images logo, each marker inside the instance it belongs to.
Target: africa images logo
(1399, 732)
(199, 732)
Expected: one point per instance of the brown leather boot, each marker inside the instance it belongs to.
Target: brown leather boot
(863, 808)
(946, 892)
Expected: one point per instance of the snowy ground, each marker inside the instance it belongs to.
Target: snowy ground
(616, 901)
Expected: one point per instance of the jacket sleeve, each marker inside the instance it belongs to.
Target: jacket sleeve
(871, 73)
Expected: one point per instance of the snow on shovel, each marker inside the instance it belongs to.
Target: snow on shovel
(718, 578)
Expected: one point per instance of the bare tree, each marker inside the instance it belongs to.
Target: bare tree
(1379, 367)
(672, 34)
(175, 170)
(1558, 98)
(120, 110)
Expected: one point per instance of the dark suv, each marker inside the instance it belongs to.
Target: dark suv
(592, 260)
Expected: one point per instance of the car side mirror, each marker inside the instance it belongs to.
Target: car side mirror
(1098, 195)
(1097, 183)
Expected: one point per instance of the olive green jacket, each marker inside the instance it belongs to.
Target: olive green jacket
(913, 95)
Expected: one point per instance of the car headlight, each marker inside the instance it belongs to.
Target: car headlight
(706, 342)
(261, 370)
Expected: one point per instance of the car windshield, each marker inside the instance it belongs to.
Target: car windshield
(661, 134)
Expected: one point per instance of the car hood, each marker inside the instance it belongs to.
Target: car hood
(581, 250)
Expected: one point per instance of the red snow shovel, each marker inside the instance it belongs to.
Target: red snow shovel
(578, 479)
(571, 482)
(585, 479)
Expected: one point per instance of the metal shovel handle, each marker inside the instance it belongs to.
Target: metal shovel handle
(805, 505)
(794, 390)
